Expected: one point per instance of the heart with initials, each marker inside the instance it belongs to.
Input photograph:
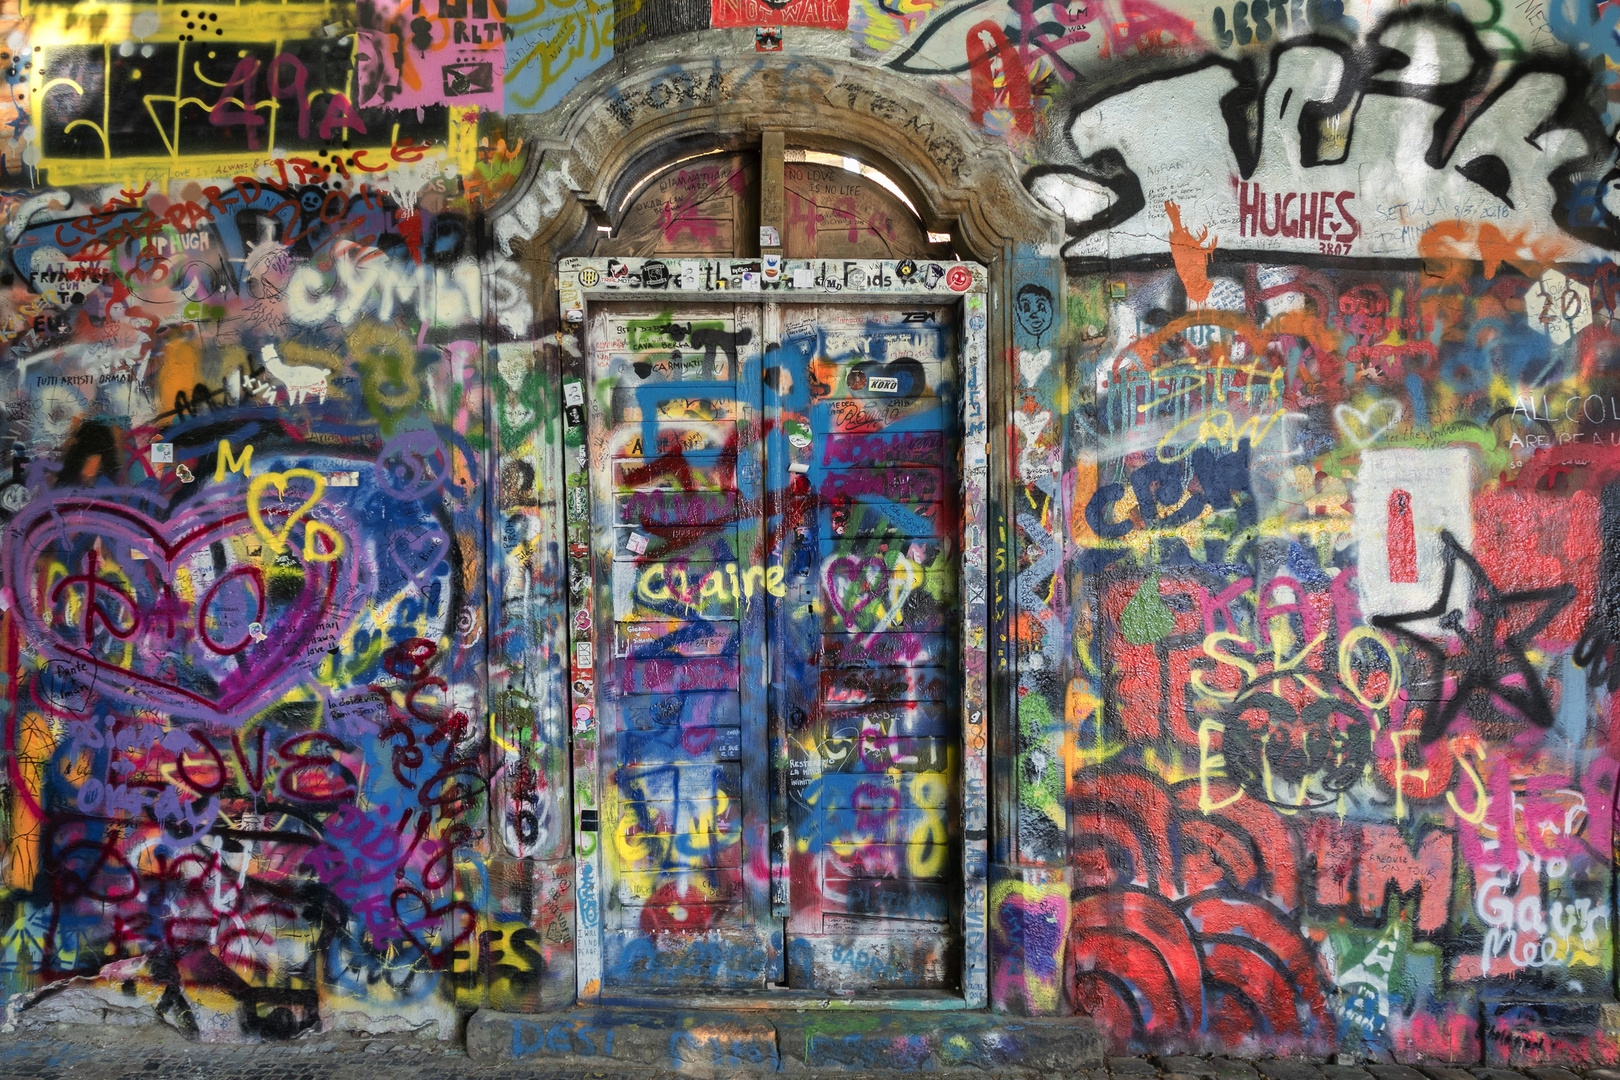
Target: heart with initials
(211, 614)
(418, 552)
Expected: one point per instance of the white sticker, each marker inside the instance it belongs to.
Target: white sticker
(750, 281)
(162, 453)
(689, 274)
(637, 543)
(768, 236)
(343, 479)
(1431, 490)
(573, 393)
(804, 277)
(883, 384)
(582, 654)
(798, 466)
(571, 297)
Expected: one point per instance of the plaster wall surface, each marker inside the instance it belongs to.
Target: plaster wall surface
(1298, 496)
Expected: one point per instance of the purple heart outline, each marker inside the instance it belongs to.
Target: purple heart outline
(52, 557)
(421, 558)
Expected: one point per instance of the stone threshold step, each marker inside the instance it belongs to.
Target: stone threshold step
(712, 1043)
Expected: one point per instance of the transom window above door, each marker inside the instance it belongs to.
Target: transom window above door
(833, 207)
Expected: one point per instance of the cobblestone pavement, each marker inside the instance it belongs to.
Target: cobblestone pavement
(106, 1054)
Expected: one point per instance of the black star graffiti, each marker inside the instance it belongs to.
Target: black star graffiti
(1483, 669)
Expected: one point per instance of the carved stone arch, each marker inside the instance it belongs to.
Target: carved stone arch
(620, 124)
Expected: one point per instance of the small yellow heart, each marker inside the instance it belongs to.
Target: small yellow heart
(279, 480)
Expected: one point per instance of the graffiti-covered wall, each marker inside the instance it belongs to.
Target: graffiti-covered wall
(262, 737)
(1274, 717)
(1335, 484)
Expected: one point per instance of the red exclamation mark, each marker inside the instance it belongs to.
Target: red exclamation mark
(1402, 540)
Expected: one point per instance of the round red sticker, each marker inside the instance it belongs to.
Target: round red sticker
(959, 278)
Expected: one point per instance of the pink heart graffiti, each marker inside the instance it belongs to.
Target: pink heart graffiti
(854, 582)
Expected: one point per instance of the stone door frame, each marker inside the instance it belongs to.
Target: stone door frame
(633, 117)
(582, 281)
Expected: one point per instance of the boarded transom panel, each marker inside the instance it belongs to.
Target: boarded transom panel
(833, 213)
(709, 206)
(702, 206)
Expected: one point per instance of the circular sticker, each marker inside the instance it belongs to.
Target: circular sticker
(957, 278)
(588, 277)
(975, 322)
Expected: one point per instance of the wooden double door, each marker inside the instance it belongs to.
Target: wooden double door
(775, 495)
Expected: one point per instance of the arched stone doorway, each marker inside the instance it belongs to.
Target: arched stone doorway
(662, 181)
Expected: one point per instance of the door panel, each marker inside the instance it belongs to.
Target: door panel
(863, 458)
(844, 641)
(676, 472)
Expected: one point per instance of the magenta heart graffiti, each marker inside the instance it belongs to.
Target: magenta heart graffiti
(196, 616)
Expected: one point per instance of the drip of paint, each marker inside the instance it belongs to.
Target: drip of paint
(1401, 540)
